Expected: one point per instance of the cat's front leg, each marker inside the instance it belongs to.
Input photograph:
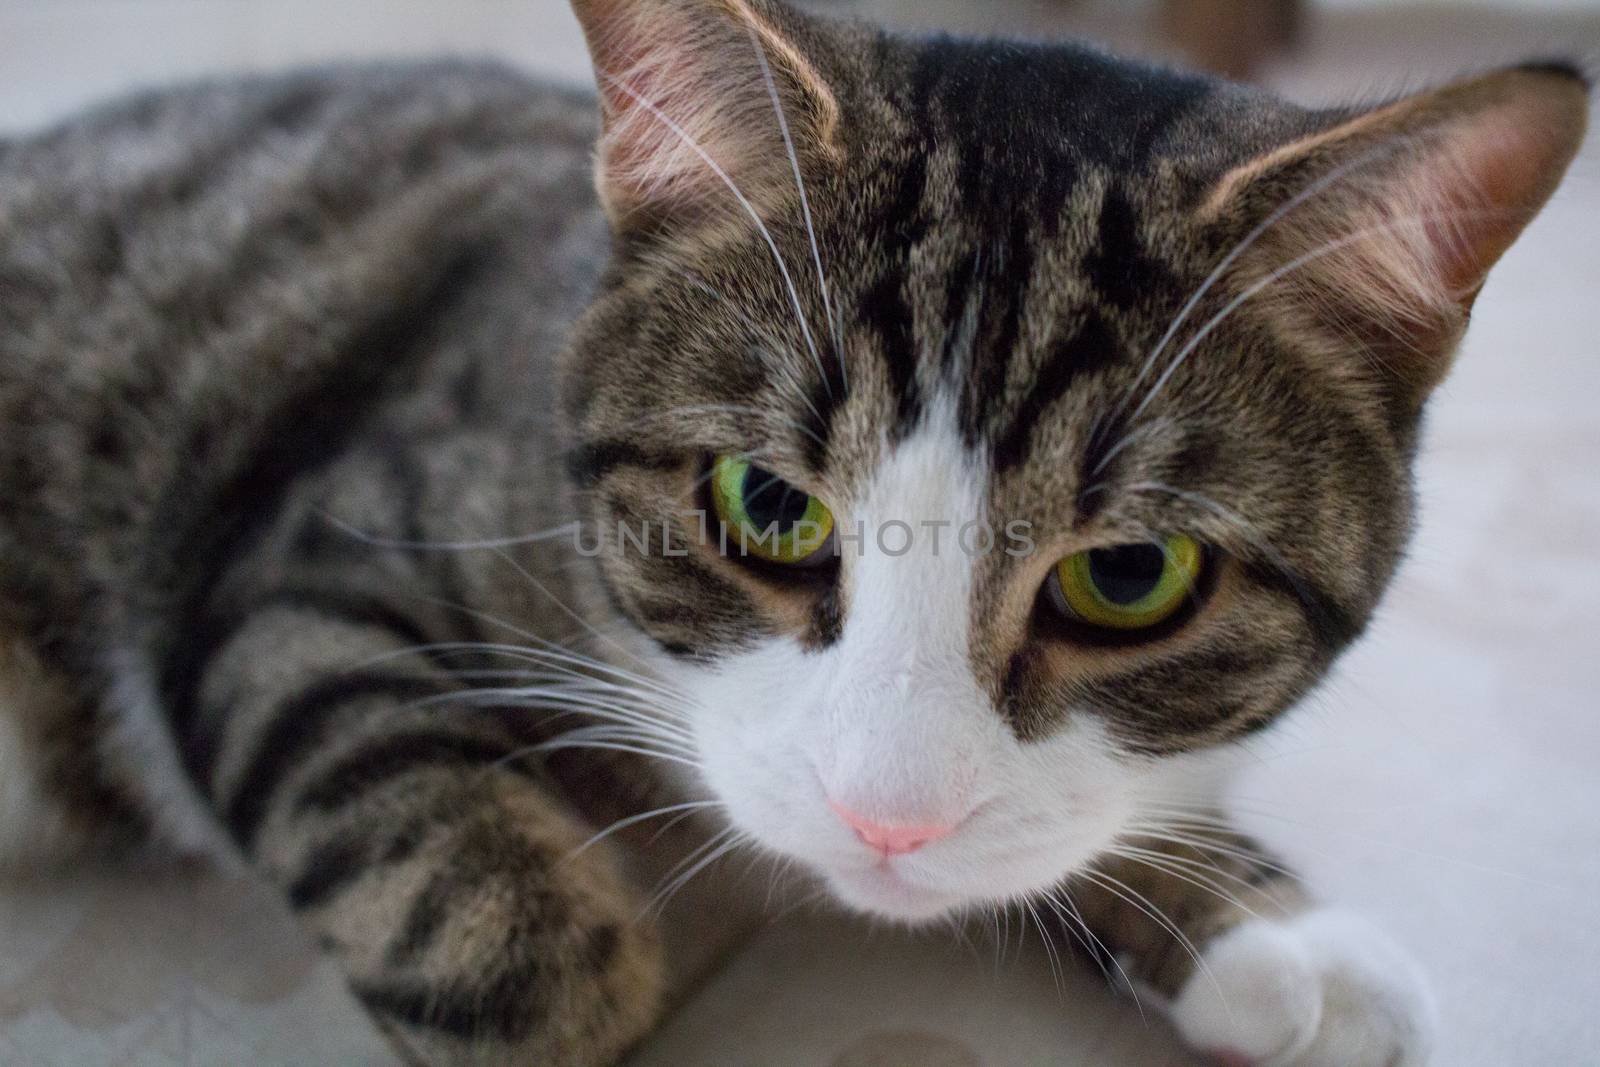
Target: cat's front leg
(1254, 973)
(437, 866)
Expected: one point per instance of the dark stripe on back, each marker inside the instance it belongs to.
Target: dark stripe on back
(356, 850)
(445, 890)
(306, 433)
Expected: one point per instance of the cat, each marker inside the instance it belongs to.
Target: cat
(925, 460)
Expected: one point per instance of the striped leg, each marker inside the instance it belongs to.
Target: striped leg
(1254, 973)
(423, 854)
(1158, 898)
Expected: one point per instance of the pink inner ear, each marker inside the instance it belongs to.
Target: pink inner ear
(1424, 196)
(1498, 176)
(681, 89)
(649, 152)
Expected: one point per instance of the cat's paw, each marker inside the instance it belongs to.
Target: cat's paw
(1324, 989)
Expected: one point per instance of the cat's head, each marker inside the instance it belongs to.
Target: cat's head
(982, 431)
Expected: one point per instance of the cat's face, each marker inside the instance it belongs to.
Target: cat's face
(1061, 533)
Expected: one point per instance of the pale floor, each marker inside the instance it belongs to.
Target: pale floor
(1447, 782)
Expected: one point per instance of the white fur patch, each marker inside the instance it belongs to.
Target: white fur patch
(891, 723)
(1324, 989)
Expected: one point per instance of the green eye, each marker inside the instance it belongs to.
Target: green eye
(767, 517)
(1129, 587)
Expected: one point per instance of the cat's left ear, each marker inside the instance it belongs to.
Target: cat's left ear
(1381, 229)
(691, 93)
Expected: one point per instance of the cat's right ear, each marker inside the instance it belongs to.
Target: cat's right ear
(700, 102)
(1379, 230)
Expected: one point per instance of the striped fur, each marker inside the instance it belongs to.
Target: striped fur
(270, 348)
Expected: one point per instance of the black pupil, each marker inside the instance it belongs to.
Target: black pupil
(1127, 574)
(770, 500)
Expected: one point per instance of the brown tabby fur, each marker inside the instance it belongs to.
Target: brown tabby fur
(266, 344)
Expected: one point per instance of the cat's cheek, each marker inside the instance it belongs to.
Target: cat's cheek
(750, 759)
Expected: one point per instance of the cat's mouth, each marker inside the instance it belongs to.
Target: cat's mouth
(885, 890)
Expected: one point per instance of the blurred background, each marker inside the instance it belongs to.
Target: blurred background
(59, 54)
(1446, 781)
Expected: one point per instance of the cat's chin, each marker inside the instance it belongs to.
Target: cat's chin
(880, 892)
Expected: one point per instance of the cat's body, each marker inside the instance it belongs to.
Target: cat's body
(206, 265)
(282, 365)
(333, 295)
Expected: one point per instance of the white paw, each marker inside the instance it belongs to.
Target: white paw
(1324, 989)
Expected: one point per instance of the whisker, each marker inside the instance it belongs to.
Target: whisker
(1164, 832)
(1132, 437)
(597, 715)
(634, 820)
(683, 864)
(1316, 188)
(659, 902)
(570, 613)
(669, 824)
(605, 746)
(1160, 862)
(561, 661)
(738, 195)
(1122, 890)
(1051, 954)
(1457, 861)
(805, 206)
(1405, 222)
(1067, 908)
(572, 702)
(375, 541)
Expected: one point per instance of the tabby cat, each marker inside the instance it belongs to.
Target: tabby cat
(923, 461)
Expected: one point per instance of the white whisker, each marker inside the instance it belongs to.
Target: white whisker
(1299, 262)
(1283, 211)
(1126, 893)
(553, 534)
(743, 201)
(659, 902)
(805, 205)
(634, 820)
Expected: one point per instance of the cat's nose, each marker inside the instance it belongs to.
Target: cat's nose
(891, 840)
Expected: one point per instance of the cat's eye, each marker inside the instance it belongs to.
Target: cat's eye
(1128, 587)
(766, 517)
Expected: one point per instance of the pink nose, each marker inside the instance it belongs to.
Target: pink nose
(890, 840)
